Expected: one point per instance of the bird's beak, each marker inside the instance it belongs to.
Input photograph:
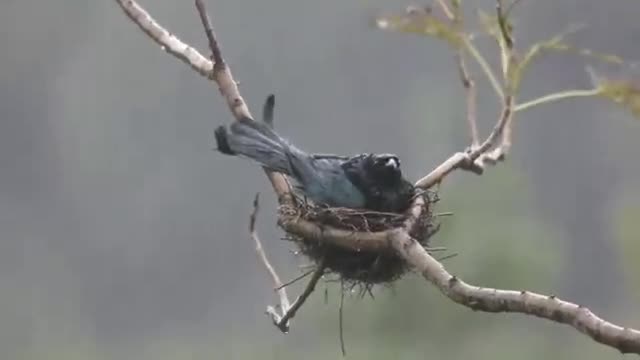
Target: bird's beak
(392, 163)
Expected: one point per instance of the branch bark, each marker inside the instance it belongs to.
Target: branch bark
(626, 340)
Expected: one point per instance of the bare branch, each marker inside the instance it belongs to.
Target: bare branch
(465, 76)
(470, 90)
(445, 9)
(277, 284)
(216, 55)
(283, 324)
(439, 173)
(474, 160)
(296, 279)
(167, 41)
(221, 73)
(561, 95)
(503, 127)
(340, 320)
(627, 340)
(287, 311)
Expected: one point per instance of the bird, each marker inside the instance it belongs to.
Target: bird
(365, 181)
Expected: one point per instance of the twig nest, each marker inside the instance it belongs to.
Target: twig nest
(361, 267)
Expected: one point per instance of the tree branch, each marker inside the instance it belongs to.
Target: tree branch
(470, 90)
(287, 311)
(627, 340)
(277, 284)
(221, 74)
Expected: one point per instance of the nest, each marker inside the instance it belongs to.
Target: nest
(360, 267)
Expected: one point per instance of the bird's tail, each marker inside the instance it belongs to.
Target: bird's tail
(259, 142)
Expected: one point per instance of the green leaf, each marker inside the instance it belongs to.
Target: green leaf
(622, 92)
(423, 22)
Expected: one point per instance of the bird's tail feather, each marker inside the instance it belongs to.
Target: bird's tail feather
(256, 141)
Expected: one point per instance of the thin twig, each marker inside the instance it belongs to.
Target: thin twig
(221, 74)
(444, 213)
(495, 133)
(282, 292)
(562, 95)
(340, 318)
(296, 279)
(465, 76)
(509, 62)
(216, 54)
(474, 159)
(445, 9)
(283, 324)
(484, 65)
(446, 257)
(503, 127)
(470, 90)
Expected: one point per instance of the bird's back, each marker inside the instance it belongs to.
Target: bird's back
(323, 179)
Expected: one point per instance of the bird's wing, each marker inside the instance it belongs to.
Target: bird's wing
(353, 168)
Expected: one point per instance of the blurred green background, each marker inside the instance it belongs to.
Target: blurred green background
(123, 235)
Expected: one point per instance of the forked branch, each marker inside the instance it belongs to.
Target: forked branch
(287, 311)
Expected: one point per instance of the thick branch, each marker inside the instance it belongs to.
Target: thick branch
(626, 340)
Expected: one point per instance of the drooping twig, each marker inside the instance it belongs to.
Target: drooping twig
(287, 310)
(297, 278)
(340, 319)
(283, 324)
(277, 284)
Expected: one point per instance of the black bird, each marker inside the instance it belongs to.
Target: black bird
(365, 181)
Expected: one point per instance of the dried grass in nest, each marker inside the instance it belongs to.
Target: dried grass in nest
(364, 268)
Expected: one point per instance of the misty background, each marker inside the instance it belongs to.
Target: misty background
(123, 235)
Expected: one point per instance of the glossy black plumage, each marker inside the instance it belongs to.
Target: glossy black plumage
(365, 181)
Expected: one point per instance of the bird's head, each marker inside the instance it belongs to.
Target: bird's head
(384, 168)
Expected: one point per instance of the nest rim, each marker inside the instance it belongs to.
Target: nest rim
(366, 267)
